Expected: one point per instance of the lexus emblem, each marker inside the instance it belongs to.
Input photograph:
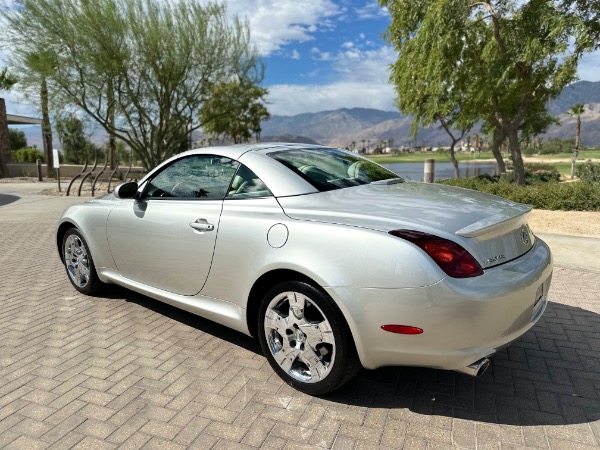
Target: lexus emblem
(524, 236)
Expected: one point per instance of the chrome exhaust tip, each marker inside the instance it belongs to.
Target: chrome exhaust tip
(477, 368)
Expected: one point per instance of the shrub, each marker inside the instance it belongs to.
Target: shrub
(28, 154)
(536, 173)
(589, 172)
(579, 196)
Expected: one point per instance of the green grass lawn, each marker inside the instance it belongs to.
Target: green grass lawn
(564, 168)
(421, 157)
(583, 154)
(443, 157)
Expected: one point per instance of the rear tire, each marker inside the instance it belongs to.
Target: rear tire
(79, 263)
(306, 339)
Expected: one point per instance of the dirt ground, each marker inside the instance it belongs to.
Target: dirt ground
(574, 223)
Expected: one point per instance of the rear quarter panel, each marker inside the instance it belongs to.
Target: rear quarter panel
(331, 255)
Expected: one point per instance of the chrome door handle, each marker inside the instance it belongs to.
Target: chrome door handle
(202, 225)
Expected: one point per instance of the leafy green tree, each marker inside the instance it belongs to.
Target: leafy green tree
(496, 59)
(16, 139)
(235, 110)
(38, 68)
(431, 90)
(34, 69)
(588, 12)
(76, 146)
(28, 155)
(7, 81)
(140, 68)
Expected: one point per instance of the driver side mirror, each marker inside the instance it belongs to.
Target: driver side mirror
(126, 190)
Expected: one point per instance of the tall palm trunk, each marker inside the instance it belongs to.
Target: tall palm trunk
(4, 143)
(576, 149)
(577, 132)
(46, 128)
(112, 142)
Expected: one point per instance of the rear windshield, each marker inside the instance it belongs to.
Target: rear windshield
(329, 168)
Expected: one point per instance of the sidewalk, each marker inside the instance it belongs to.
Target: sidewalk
(574, 252)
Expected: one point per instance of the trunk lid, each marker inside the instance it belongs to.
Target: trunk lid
(494, 230)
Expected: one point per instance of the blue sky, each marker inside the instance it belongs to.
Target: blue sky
(323, 54)
(328, 54)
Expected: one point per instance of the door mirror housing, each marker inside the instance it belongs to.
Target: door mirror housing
(126, 190)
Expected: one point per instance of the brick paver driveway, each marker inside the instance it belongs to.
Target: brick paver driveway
(125, 371)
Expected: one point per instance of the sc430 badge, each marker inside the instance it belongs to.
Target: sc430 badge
(494, 259)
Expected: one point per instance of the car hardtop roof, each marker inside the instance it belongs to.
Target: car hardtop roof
(237, 150)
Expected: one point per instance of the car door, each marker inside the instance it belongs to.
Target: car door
(165, 239)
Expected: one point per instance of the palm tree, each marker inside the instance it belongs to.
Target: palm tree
(40, 66)
(7, 81)
(576, 110)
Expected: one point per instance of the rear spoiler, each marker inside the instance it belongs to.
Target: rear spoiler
(494, 222)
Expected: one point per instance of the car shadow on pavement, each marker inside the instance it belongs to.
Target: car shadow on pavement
(550, 376)
(183, 317)
(6, 199)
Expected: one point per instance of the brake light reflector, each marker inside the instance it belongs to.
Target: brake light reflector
(453, 259)
(401, 329)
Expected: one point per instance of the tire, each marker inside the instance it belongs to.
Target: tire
(79, 264)
(305, 338)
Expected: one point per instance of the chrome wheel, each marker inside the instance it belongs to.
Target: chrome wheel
(77, 260)
(299, 337)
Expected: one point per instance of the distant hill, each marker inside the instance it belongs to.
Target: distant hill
(327, 124)
(587, 92)
(343, 126)
(289, 138)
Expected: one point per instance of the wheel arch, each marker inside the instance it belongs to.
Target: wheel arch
(276, 276)
(60, 234)
(260, 287)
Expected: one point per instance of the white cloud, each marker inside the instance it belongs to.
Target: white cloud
(371, 10)
(295, 54)
(589, 67)
(318, 55)
(370, 66)
(362, 81)
(289, 99)
(275, 23)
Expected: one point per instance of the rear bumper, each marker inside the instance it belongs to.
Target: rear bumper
(463, 320)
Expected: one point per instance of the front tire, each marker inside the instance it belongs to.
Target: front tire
(306, 339)
(79, 264)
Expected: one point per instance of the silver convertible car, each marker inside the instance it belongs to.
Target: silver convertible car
(331, 260)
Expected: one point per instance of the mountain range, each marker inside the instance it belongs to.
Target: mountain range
(343, 126)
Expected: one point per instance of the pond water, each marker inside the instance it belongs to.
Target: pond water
(443, 170)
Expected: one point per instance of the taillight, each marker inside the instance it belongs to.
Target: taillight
(451, 257)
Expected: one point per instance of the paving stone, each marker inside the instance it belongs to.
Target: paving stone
(125, 371)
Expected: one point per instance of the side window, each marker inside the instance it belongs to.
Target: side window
(203, 177)
(246, 184)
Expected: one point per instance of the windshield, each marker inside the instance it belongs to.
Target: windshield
(329, 168)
